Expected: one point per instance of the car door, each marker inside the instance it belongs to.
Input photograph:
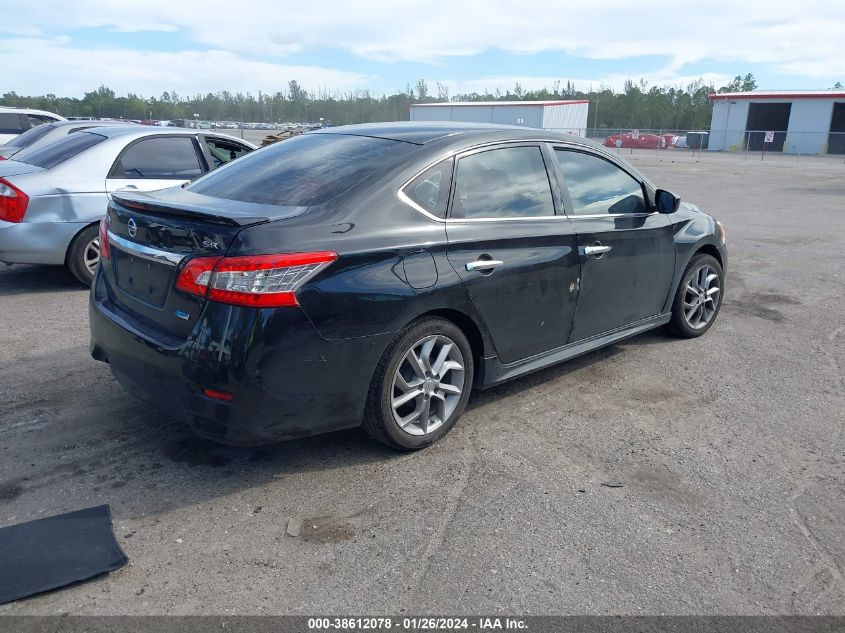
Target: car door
(156, 162)
(626, 249)
(513, 247)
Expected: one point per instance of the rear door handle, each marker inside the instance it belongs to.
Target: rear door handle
(596, 251)
(484, 264)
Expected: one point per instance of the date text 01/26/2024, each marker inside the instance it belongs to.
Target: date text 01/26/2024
(416, 624)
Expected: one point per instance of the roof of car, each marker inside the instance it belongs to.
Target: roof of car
(422, 132)
(152, 130)
(87, 123)
(31, 111)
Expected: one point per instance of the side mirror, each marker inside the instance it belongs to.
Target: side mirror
(666, 201)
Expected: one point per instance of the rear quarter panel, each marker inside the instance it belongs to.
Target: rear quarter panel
(366, 292)
(75, 190)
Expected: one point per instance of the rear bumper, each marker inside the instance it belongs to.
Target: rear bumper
(36, 242)
(286, 381)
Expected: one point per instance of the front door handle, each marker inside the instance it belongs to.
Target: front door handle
(484, 264)
(597, 250)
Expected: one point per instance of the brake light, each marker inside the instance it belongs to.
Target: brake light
(196, 274)
(225, 396)
(13, 202)
(105, 249)
(262, 281)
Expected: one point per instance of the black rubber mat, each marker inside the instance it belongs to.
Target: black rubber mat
(49, 553)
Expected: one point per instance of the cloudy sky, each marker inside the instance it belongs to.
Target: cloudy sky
(189, 46)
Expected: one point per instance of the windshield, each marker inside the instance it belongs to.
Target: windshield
(30, 136)
(50, 155)
(306, 170)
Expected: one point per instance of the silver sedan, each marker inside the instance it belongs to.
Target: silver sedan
(49, 132)
(53, 196)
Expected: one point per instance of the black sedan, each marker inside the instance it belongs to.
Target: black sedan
(375, 274)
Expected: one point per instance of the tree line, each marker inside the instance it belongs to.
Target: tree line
(637, 105)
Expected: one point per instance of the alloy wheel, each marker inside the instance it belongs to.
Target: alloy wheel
(91, 255)
(427, 385)
(701, 297)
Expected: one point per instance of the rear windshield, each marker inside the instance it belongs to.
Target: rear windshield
(52, 154)
(306, 170)
(30, 136)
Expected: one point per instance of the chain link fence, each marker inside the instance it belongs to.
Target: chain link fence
(749, 144)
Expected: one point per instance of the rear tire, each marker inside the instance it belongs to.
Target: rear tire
(83, 255)
(698, 298)
(421, 385)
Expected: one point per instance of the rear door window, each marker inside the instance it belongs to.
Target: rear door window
(59, 151)
(38, 119)
(509, 182)
(224, 151)
(10, 123)
(160, 158)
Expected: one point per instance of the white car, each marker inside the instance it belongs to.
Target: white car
(14, 121)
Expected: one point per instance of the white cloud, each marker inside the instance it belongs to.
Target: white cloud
(70, 71)
(798, 38)
(776, 31)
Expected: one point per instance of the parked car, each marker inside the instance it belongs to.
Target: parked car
(635, 141)
(670, 140)
(14, 121)
(49, 132)
(375, 274)
(698, 140)
(53, 196)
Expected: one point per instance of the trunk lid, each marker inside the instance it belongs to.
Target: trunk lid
(152, 236)
(9, 168)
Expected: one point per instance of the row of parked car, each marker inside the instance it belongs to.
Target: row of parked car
(641, 140)
(56, 176)
(227, 125)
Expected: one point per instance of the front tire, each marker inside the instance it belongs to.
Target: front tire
(83, 255)
(698, 298)
(421, 385)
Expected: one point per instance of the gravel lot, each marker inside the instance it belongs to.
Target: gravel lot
(730, 448)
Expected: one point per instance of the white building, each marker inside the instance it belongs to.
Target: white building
(802, 121)
(561, 116)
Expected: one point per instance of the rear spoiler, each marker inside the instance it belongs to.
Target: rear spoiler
(146, 204)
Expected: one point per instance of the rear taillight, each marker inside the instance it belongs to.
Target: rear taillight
(13, 202)
(262, 281)
(225, 396)
(196, 274)
(105, 249)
